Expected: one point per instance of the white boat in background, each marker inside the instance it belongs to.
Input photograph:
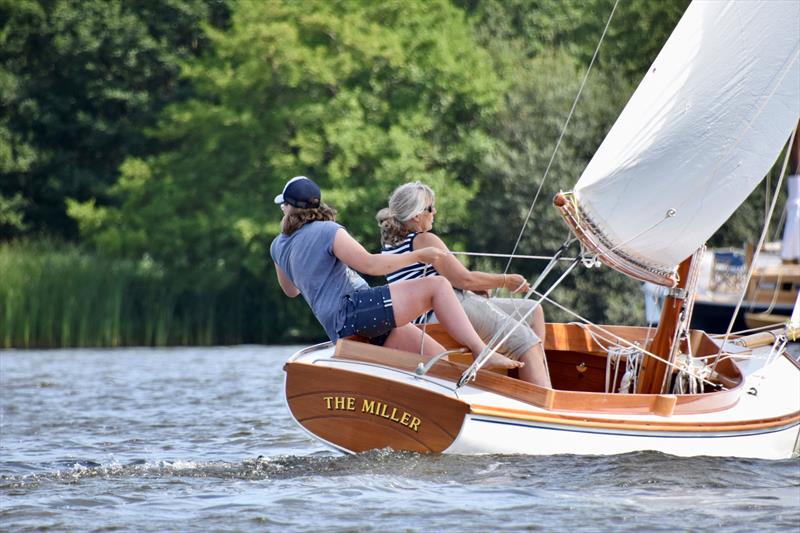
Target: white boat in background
(707, 122)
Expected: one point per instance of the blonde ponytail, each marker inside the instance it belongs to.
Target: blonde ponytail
(405, 203)
(392, 230)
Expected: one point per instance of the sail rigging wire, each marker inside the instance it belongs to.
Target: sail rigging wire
(761, 239)
(587, 323)
(533, 257)
(470, 373)
(561, 137)
(494, 343)
(740, 332)
(777, 287)
(669, 214)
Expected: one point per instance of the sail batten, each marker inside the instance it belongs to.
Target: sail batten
(702, 129)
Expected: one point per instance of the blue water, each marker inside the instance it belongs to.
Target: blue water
(199, 439)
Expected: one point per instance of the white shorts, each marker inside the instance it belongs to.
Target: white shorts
(488, 315)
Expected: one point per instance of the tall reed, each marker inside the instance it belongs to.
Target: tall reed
(55, 295)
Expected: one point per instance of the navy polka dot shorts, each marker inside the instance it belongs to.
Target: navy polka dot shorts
(369, 313)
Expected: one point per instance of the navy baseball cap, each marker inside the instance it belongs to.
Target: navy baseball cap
(300, 192)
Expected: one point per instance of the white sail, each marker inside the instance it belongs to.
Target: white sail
(704, 126)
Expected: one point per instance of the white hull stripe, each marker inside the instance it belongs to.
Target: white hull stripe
(709, 435)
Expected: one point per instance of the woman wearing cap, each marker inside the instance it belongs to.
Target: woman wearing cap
(316, 257)
(406, 227)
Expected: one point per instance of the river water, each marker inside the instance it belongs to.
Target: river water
(199, 439)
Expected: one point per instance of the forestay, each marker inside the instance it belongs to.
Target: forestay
(703, 128)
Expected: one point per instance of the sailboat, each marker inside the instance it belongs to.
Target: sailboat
(707, 122)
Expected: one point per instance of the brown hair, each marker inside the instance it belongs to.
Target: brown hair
(405, 202)
(297, 217)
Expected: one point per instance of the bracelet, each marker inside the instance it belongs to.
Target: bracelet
(504, 282)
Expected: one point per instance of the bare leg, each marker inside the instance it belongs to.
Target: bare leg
(518, 307)
(409, 337)
(412, 298)
(535, 369)
(536, 321)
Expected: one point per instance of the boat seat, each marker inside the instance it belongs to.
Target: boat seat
(728, 271)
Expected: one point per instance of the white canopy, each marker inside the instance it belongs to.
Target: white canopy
(704, 126)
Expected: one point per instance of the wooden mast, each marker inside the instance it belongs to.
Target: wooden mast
(653, 370)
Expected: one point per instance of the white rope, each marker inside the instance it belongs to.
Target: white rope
(777, 349)
(561, 137)
(425, 321)
(520, 317)
(776, 288)
(587, 322)
(471, 372)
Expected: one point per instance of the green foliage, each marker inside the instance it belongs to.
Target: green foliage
(361, 96)
(11, 215)
(79, 84)
(747, 222)
(537, 105)
(636, 34)
(162, 131)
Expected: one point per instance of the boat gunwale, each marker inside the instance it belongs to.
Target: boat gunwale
(549, 399)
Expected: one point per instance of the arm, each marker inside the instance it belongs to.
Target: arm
(471, 280)
(285, 283)
(351, 253)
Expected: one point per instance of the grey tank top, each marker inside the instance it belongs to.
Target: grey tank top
(306, 256)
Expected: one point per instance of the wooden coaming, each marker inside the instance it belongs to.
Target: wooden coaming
(359, 412)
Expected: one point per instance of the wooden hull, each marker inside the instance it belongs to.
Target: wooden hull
(358, 412)
(357, 397)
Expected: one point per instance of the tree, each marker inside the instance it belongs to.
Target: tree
(636, 34)
(361, 96)
(80, 82)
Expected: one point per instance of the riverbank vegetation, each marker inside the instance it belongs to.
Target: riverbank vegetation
(142, 144)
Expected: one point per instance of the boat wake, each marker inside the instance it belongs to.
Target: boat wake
(620, 470)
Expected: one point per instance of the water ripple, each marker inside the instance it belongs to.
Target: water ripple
(200, 439)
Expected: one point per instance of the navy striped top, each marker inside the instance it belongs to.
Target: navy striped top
(415, 271)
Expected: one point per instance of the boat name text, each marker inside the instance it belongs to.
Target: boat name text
(373, 407)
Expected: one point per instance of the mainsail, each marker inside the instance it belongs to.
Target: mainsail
(702, 129)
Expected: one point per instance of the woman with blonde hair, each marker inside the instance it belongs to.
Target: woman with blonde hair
(316, 257)
(406, 226)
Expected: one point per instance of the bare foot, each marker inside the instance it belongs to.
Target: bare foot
(501, 361)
